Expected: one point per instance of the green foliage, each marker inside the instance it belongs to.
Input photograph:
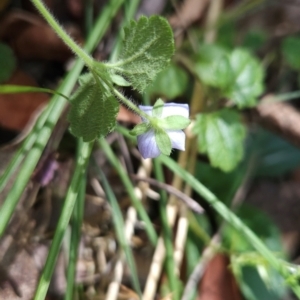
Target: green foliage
(259, 282)
(260, 223)
(158, 108)
(275, 156)
(248, 79)
(206, 64)
(238, 75)
(119, 80)
(256, 277)
(255, 39)
(93, 110)
(147, 49)
(290, 50)
(170, 83)
(221, 135)
(8, 62)
(223, 184)
(140, 129)
(174, 123)
(163, 142)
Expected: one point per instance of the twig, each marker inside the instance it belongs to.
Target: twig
(280, 118)
(188, 201)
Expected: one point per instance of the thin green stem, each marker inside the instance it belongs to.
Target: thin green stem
(167, 234)
(76, 223)
(88, 16)
(232, 219)
(62, 34)
(81, 163)
(14, 89)
(227, 215)
(127, 183)
(132, 106)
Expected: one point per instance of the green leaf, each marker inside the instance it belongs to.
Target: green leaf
(239, 76)
(119, 80)
(93, 111)
(158, 108)
(170, 83)
(163, 142)
(148, 47)
(174, 122)
(255, 39)
(248, 79)
(140, 129)
(206, 63)
(290, 49)
(8, 62)
(219, 74)
(221, 135)
(85, 78)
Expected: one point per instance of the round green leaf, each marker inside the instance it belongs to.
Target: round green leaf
(221, 135)
(147, 50)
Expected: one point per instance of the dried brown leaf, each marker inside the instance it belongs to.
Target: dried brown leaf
(17, 109)
(218, 282)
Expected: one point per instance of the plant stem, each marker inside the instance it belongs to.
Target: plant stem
(232, 219)
(132, 106)
(62, 34)
(76, 223)
(84, 152)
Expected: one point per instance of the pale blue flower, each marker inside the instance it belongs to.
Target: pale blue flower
(146, 142)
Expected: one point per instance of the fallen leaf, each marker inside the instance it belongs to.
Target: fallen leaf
(218, 282)
(189, 12)
(17, 109)
(32, 38)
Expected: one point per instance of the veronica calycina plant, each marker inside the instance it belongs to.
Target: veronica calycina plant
(147, 49)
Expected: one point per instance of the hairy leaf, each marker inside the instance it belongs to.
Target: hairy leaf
(248, 79)
(93, 111)
(148, 47)
(221, 135)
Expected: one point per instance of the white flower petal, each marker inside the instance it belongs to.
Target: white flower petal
(146, 109)
(147, 145)
(177, 138)
(175, 109)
